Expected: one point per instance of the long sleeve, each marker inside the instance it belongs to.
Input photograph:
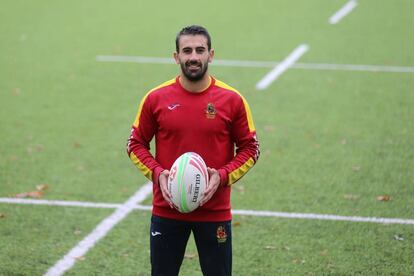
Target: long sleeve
(243, 134)
(138, 148)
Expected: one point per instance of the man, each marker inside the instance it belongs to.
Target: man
(193, 112)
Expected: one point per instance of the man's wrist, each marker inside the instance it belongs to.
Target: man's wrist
(223, 177)
(156, 175)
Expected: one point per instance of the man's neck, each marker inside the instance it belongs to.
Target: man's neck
(195, 86)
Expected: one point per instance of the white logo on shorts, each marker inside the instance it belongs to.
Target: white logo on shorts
(156, 233)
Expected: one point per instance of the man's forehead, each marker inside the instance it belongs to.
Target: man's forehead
(192, 41)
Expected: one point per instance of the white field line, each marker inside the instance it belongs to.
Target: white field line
(341, 13)
(135, 59)
(323, 217)
(264, 64)
(99, 232)
(354, 67)
(59, 203)
(235, 212)
(282, 67)
(143, 207)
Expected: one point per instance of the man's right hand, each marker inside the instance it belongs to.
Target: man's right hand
(163, 182)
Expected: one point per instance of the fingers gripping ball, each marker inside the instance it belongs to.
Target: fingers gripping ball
(187, 181)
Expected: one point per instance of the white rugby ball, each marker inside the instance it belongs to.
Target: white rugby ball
(187, 181)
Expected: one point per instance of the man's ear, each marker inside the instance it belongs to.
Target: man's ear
(211, 55)
(176, 58)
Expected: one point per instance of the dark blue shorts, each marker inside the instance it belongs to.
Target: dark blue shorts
(168, 240)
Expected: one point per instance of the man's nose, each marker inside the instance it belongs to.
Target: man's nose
(194, 55)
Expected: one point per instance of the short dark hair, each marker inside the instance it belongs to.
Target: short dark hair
(193, 30)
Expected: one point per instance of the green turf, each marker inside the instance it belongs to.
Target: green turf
(34, 238)
(331, 141)
(267, 246)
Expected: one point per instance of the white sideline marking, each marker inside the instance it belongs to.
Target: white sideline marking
(99, 232)
(135, 59)
(235, 212)
(354, 67)
(264, 64)
(323, 217)
(143, 207)
(60, 203)
(347, 8)
(282, 67)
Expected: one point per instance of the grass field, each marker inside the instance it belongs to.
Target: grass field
(332, 141)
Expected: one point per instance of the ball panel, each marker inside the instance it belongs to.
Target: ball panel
(187, 181)
(181, 183)
(197, 158)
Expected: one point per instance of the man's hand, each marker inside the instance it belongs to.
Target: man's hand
(163, 182)
(212, 185)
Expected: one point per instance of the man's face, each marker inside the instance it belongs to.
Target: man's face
(193, 56)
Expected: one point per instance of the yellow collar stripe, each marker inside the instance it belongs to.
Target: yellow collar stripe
(136, 122)
(246, 105)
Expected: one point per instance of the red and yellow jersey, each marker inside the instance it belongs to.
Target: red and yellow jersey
(215, 123)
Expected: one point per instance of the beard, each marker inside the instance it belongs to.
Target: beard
(194, 75)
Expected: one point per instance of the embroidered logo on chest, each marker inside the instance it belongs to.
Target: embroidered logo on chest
(210, 111)
(173, 106)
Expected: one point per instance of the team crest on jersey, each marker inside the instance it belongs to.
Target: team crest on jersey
(210, 111)
(221, 234)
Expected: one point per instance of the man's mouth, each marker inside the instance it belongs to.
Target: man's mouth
(193, 66)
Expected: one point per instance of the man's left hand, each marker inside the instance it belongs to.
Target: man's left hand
(212, 185)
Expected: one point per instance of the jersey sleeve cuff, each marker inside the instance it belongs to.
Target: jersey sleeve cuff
(223, 177)
(156, 175)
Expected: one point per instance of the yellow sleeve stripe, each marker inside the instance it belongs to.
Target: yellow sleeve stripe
(136, 122)
(141, 166)
(246, 105)
(239, 172)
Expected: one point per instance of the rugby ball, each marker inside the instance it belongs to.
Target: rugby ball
(187, 181)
